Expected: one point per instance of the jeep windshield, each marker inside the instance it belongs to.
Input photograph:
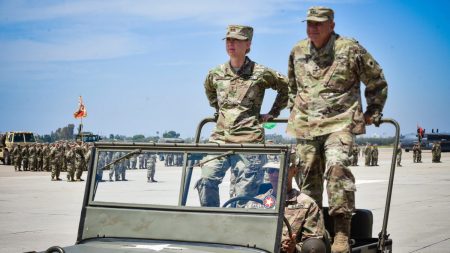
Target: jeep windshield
(24, 137)
(124, 200)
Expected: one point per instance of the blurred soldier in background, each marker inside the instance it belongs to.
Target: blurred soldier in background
(151, 168)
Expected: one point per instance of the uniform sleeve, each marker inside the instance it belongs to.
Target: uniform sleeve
(210, 90)
(372, 76)
(279, 83)
(292, 86)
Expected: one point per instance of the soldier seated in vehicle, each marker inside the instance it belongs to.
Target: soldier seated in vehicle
(302, 212)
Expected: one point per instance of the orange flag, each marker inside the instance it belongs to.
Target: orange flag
(81, 112)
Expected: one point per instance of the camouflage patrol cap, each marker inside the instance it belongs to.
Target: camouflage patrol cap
(319, 14)
(239, 32)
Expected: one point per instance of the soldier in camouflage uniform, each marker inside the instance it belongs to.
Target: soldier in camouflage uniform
(374, 155)
(46, 157)
(355, 152)
(325, 71)
(32, 157)
(79, 161)
(236, 90)
(70, 163)
(302, 212)
(115, 169)
(39, 157)
(368, 155)
(55, 162)
(17, 155)
(399, 155)
(436, 152)
(151, 169)
(24, 155)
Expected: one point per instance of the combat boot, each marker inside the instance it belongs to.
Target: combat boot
(342, 234)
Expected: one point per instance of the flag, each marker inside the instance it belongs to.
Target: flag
(269, 125)
(81, 112)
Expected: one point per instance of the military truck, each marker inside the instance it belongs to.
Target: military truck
(136, 216)
(9, 139)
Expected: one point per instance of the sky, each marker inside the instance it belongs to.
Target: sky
(140, 65)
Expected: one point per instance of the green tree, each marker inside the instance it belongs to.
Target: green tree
(171, 134)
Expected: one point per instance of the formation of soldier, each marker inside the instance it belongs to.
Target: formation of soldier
(57, 157)
(371, 154)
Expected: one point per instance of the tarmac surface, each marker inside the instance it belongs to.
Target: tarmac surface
(36, 213)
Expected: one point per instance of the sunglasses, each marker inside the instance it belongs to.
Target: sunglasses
(272, 170)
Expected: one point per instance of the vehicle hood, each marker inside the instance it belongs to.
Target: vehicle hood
(111, 245)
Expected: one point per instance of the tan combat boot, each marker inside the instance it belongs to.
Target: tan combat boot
(342, 234)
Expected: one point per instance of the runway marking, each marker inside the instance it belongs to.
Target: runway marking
(369, 181)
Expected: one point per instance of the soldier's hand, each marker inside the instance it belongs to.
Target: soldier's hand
(288, 245)
(373, 118)
(265, 117)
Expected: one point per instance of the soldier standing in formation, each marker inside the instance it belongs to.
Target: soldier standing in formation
(236, 90)
(355, 153)
(151, 168)
(17, 155)
(374, 155)
(55, 162)
(399, 155)
(436, 152)
(70, 158)
(417, 153)
(368, 155)
(325, 72)
(25, 154)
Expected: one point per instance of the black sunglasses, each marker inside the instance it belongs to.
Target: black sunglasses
(272, 170)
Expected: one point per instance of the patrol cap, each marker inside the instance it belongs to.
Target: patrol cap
(239, 32)
(319, 14)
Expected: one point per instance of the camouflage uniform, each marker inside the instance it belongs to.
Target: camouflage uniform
(237, 96)
(374, 156)
(39, 157)
(151, 169)
(399, 156)
(25, 157)
(46, 157)
(355, 153)
(115, 169)
(436, 152)
(417, 153)
(79, 162)
(32, 157)
(17, 155)
(303, 214)
(55, 162)
(326, 113)
(70, 158)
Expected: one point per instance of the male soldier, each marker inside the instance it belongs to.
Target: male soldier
(55, 162)
(70, 157)
(114, 170)
(417, 153)
(325, 71)
(24, 155)
(399, 155)
(355, 152)
(368, 155)
(17, 155)
(302, 212)
(32, 157)
(151, 169)
(46, 157)
(79, 161)
(39, 157)
(236, 90)
(375, 155)
(436, 152)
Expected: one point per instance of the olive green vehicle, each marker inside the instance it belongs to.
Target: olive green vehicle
(136, 216)
(87, 137)
(9, 139)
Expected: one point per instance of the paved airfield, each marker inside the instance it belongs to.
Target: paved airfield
(36, 213)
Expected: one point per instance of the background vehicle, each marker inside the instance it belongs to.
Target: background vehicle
(9, 139)
(87, 137)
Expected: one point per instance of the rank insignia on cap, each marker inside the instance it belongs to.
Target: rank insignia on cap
(269, 201)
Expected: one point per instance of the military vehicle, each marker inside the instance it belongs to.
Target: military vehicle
(136, 216)
(9, 139)
(87, 137)
(408, 141)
